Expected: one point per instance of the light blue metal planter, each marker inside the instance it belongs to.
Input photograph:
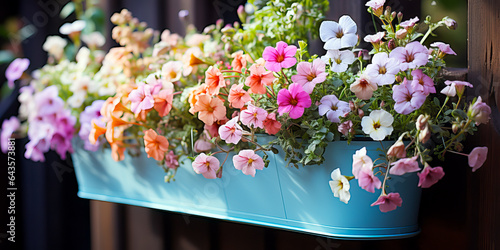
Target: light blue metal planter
(280, 197)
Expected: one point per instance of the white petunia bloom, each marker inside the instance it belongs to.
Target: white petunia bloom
(94, 39)
(340, 186)
(54, 45)
(339, 35)
(172, 71)
(340, 60)
(73, 27)
(378, 125)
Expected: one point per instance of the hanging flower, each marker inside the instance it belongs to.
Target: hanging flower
(375, 39)
(248, 162)
(455, 87)
(310, 74)
(368, 181)
(378, 125)
(361, 161)
(293, 101)
(388, 202)
(156, 145)
(283, 56)
(479, 111)
(206, 165)
(340, 186)
(333, 108)
(443, 48)
(405, 165)
(338, 35)
(477, 157)
(429, 176)
(397, 150)
(171, 160)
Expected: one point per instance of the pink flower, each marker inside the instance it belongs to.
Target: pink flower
(8, 127)
(293, 101)
(310, 74)
(383, 69)
(213, 130)
(141, 98)
(361, 161)
(231, 132)
(258, 79)
(429, 176)
(238, 96)
(412, 56)
(397, 149)
(163, 101)
(455, 87)
(477, 157)
(283, 56)
(444, 48)
(374, 38)
(203, 143)
(345, 128)
(206, 165)
(253, 116)
(214, 80)
(16, 69)
(271, 125)
(368, 181)
(409, 23)
(405, 165)
(422, 82)
(407, 99)
(171, 160)
(388, 202)
(48, 101)
(248, 161)
(375, 4)
(479, 112)
(333, 108)
(364, 87)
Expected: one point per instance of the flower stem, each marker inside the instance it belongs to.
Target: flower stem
(455, 137)
(286, 78)
(445, 101)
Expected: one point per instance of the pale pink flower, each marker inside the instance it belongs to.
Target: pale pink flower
(171, 160)
(412, 56)
(397, 150)
(429, 176)
(363, 87)
(310, 74)
(203, 143)
(206, 165)
(444, 48)
(238, 96)
(361, 161)
(388, 202)
(422, 82)
(368, 181)
(16, 69)
(253, 116)
(422, 121)
(338, 35)
(141, 98)
(374, 38)
(409, 23)
(479, 111)
(477, 157)
(293, 101)
(231, 132)
(333, 108)
(405, 165)
(248, 161)
(407, 99)
(383, 69)
(345, 128)
(455, 87)
(375, 4)
(283, 56)
(401, 34)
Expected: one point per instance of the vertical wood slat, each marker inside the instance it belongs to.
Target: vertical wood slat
(484, 63)
(105, 225)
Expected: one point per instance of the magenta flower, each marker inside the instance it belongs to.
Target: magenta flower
(477, 157)
(333, 108)
(368, 181)
(248, 161)
(16, 69)
(231, 132)
(206, 165)
(407, 100)
(310, 74)
(444, 48)
(61, 144)
(429, 176)
(412, 56)
(8, 127)
(388, 202)
(33, 151)
(48, 102)
(422, 82)
(405, 165)
(141, 98)
(171, 160)
(253, 117)
(293, 101)
(283, 56)
(90, 113)
(479, 111)
(383, 69)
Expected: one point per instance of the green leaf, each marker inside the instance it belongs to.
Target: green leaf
(337, 82)
(67, 10)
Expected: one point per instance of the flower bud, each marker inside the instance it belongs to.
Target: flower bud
(424, 135)
(455, 127)
(398, 79)
(393, 15)
(183, 14)
(459, 147)
(400, 17)
(397, 150)
(361, 113)
(352, 106)
(219, 23)
(382, 104)
(228, 30)
(241, 13)
(391, 44)
(422, 121)
(479, 112)
(450, 23)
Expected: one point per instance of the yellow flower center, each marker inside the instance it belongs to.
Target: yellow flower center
(382, 70)
(376, 125)
(311, 77)
(340, 34)
(250, 161)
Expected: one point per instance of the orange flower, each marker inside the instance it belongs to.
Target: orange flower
(95, 132)
(117, 151)
(238, 96)
(111, 133)
(258, 78)
(156, 145)
(214, 80)
(163, 102)
(113, 107)
(193, 97)
(210, 109)
(239, 61)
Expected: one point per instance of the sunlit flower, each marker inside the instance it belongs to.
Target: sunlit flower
(283, 56)
(210, 109)
(70, 28)
(340, 186)
(310, 74)
(240, 60)
(459, 87)
(54, 45)
(374, 39)
(338, 35)
(429, 176)
(94, 39)
(363, 87)
(172, 71)
(368, 181)
(117, 150)
(361, 161)
(258, 79)
(377, 6)
(90, 113)
(253, 116)
(388, 202)
(48, 102)
(477, 157)
(407, 99)
(409, 23)
(479, 111)
(16, 69)
(231, 131)
(141, 98)
(214, 80)
(163, 102)
(238, 96)
(338, 60)
(383, 69)
(333, 108)
(293, 101)
(206, 165)
(378, 125)
(412, 56)
(271, 125)
(156, 145)
(248, 162)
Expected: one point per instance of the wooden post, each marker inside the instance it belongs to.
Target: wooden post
(484, 65)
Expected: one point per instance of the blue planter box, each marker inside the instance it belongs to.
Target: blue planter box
(279, 197)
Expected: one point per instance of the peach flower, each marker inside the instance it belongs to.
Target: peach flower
(238, 96)
(258, 78)
(210, 109)
(214, 80)
(156, 145)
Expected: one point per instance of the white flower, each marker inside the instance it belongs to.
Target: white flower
(54, 45)
(449, 90)
(340, 186)
(77, 99)
(340, 60)
(383, 69)
(83, 85)
(69, 28)
(378, 125)
(94, 39)
(338, 35)
(172, 71)
(83, 58)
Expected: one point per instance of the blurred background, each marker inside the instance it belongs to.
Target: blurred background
(51, 216)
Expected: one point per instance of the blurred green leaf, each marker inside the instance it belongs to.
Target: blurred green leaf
(67, 10)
